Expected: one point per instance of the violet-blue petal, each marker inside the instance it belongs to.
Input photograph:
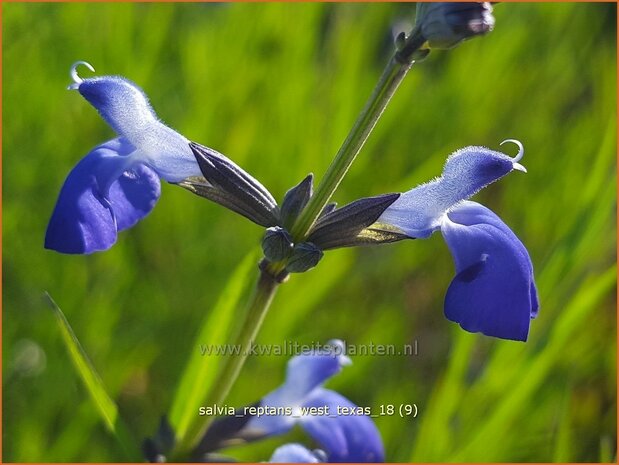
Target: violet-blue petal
(134, 195)
(308, 371)
(419, 211)
(97, 197)
(293, 453)
(125, 107)
(120, 102)
(471, 213)
(493, 291)
(345, 438)
(304, 374)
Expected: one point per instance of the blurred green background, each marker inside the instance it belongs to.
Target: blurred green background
(276, 87)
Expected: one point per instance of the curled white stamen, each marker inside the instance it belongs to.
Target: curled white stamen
(76, 79)
(518, 157)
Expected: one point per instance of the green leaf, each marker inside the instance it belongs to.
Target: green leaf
(216, 330)
(105, 405)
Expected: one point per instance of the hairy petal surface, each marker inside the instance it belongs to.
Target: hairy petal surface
(125, 107)
(418, 212)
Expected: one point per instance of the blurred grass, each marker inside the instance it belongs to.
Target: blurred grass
(92, 382)
(276, 87)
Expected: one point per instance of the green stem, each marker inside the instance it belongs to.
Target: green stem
(259, 304)
(392, 76)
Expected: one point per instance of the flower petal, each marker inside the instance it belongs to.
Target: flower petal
(86, 217)
(345, 438)
(493, 291)
(125, 107)
(534, 297)
(293, 453)
(134, 195)
(304, 374)
(419, 211)
(310, 370)
(120, 102)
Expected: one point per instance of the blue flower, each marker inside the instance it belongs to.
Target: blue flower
(494, 290)
(343, 437)
(117, 183)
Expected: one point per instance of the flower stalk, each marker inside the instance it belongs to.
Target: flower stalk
(270, 274)
(392, 76)
(259, 304)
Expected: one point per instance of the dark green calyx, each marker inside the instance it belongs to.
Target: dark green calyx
(277, 244)
(304, 257)
(295, 200)
(346, 226)
(229, 185)
(329, 208)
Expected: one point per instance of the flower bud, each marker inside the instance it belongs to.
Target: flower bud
(277, 244)
(304, 257)
(445, 24)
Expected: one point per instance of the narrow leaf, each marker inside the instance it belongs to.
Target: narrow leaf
(86, 371)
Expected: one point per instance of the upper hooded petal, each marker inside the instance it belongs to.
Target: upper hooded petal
(125, 107)
(418, 212)
(494, 290)
(345, 438)
(119, 101)
(104, 193)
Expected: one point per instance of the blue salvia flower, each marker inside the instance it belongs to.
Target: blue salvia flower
(117, 183)
(296, 453)
(494, 290)
(344, 438)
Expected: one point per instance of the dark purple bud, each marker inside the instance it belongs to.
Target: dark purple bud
(445, 24)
